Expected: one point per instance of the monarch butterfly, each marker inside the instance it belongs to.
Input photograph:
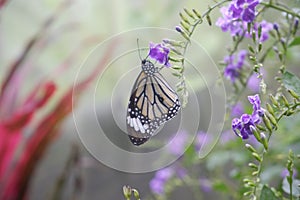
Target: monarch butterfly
(152, 103)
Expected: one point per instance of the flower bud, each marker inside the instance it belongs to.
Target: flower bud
(136, 194)
(264, 140)
(285, 101)
(274, 101)
(208, 20)
(178, 29)
(267, 123)
(250, 148)
(253, 166)
(255, 133)
(293, 94)
(257, 157)
(127, 191)
(184, 18)
(189, 13)
(197, 13)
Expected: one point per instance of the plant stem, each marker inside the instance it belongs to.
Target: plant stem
(276, 7)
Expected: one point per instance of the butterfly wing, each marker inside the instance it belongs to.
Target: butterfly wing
(152, 103)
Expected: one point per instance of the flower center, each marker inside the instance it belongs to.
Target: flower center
(246, 5)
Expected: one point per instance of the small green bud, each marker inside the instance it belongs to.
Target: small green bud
(254, 173)
(197, 13)
(175, 59)
(264, 140)
(259, 31)
(254, 36)
(250, 148)
(274, 101)
(255, 133)
(174, 43)
(136, 194)
(272, 119)
(257, 157)
(253, 166)
(293, 94)
(285, 101)
(184, 18)
(250, 184)
(176, 67)
(208, 20)
(252, 58)
(249, 27)
(259, 47)
(267, 123)
(189, 13)
(261, 128)
(251, 49)
(185, 26)
(127, 191)
(280, 56)
(290, 112)
(270, 109)
(248, 193)
(246, 180)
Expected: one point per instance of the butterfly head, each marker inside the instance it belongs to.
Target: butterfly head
(148, 67)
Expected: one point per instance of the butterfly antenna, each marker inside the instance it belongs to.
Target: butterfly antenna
(138, 44)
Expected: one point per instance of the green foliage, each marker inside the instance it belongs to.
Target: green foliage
(267, 194)
(292, 82)
(295, 42)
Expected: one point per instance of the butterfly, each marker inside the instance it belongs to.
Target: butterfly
(152, 103)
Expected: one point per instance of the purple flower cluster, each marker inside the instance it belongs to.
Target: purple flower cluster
(242, 126)
(234, 64)
(266, 27)
(237, 15)
(243, 9)
(160, 53)
(157, 184)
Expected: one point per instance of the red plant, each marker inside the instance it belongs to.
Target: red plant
(19, 157)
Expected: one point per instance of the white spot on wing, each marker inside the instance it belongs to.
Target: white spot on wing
(142, 130)
(136, 128)
(131, 122)
(128, 120)
(146, 126)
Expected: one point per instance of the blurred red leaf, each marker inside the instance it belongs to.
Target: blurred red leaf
(47, 130)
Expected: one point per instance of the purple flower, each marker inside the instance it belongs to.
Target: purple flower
(157, 184)
(242, 126)
(266, 27)
(234, 64)
(159, 53)
(243, 9)
(255, 101)
(164, 174)
(178, 144)
(205, 184)
(228, 23)
(253, 83)
(237, 110)
(286, 173)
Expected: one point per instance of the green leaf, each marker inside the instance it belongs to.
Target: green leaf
(267, 194)
(291, 82)
(295, 42)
